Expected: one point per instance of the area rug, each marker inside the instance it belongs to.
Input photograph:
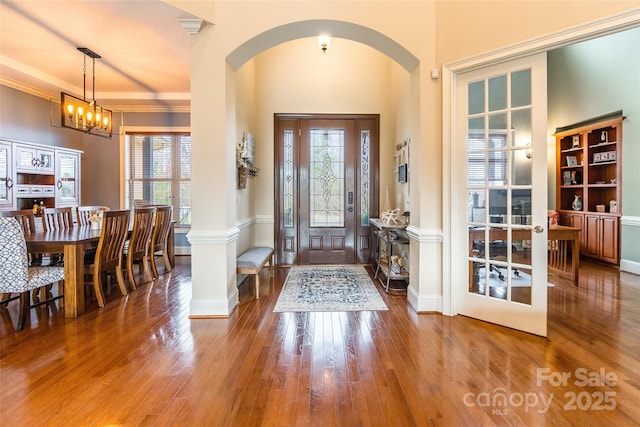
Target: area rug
(520, 280)
(329, 288)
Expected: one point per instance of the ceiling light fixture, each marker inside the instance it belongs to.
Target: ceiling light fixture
(324, 42)
(80, 114)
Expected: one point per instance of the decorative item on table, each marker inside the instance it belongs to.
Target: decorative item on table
(552, 217)
(613, 206)
(397, 262)
(38, 208)
(599, 208)
(577, 203)
(96, 217)
(405, 217)
(389, 216)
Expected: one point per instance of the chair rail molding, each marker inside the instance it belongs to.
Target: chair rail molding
(213, 237)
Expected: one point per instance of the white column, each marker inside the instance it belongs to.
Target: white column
(213, 233)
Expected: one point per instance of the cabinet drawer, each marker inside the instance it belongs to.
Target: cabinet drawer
(35, 190)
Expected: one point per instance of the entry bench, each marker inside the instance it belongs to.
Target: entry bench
(251, 262)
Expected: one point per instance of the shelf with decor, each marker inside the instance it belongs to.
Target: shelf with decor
(588, 183)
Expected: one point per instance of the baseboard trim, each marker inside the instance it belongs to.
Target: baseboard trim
(424, 304)
(630, 266)
(213, 308)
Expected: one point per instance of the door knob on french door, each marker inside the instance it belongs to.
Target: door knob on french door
(538, 229)
(350, 209)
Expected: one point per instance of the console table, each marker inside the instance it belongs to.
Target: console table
(388, 238)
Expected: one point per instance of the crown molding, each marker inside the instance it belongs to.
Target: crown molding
(192, 25)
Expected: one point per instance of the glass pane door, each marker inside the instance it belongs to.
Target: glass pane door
(502, 115)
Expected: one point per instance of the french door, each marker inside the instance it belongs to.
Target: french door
(501, 201)
(326, 188)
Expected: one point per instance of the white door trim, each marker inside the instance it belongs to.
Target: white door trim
(589, 30)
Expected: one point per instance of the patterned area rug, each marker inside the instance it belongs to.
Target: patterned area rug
(329, 288)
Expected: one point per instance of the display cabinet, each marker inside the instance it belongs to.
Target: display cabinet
(38, 174)
(589, 183)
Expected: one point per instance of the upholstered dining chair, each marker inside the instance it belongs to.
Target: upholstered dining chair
(26, 219)
(115, 227)
(15, 274)
(83, 213)
(159, 238)
(57, 218)
(137, 248)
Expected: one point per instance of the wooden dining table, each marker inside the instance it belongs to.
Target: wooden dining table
(73, 242)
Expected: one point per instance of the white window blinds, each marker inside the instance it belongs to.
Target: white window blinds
(158, 171)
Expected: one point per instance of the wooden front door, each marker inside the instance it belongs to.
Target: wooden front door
(326, 188)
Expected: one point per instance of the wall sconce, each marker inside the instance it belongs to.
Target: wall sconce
(324, 42)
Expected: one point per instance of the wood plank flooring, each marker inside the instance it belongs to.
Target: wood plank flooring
(142, 362)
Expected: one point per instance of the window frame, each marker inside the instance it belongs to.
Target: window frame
(175, 179)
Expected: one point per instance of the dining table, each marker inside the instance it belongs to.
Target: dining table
(73, 242)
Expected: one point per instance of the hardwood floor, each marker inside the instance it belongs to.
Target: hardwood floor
(140, 361)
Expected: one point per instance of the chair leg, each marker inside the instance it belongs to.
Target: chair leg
(165, 259)
(97, 286)
(120, 280)
(130, 275)
(24, 309)
(154, 268)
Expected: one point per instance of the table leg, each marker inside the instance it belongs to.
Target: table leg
(73, 280)
(575, 259)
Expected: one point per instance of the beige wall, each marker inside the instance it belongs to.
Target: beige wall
(468, 28)
(425, 33)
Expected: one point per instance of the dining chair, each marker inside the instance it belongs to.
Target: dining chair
(27, 223)
(57, 219)
(115, 227)
(83, 213)
(159, 238)
(137, 248)
(15, 274)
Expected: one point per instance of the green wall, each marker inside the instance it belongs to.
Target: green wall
(594, 78)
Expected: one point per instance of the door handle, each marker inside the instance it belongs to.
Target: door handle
(538, 229)
(350, 209)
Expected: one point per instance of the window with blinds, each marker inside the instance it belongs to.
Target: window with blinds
(158, 171)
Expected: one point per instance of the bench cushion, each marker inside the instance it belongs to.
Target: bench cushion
(254, 257)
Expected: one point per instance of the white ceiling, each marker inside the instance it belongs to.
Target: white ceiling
(144, 50)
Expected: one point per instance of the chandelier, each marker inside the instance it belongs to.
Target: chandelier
(82, 114)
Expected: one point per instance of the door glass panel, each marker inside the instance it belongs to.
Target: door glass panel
(520, 167)
(521, 88)
(287, 166)
(365, 156)
(67, 178)
(498, 93)
(4, 173)
(476, 98)
(326, 170)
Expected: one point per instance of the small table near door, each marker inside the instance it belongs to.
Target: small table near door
(386, 238)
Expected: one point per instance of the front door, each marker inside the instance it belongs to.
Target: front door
(326, 189)
(501, 204)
